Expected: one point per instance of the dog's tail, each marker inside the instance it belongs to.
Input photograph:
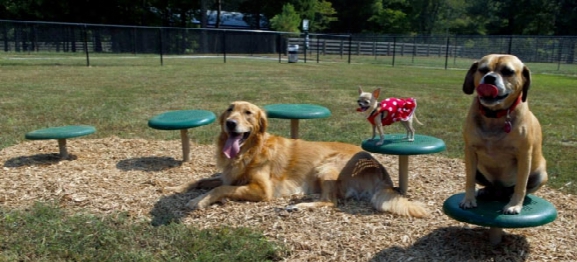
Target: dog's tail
(416, 119)
(388, 200)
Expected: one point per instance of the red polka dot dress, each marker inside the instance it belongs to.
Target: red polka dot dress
(398, 109)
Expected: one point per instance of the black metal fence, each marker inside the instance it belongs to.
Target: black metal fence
(21, 37)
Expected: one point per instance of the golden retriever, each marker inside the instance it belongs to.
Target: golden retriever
(258, 166)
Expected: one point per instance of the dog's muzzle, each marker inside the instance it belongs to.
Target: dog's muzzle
(235, 138)
(363, 106)
(489, 94)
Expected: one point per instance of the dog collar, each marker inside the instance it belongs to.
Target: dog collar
(500, 113)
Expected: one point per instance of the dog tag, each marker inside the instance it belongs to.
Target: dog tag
(507, 127)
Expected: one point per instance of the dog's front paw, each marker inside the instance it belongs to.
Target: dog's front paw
(467, 203)
(198, 202)
(511, 209)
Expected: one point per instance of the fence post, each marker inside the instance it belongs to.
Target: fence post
(279, 46)
(456, 50)
(510, 44)
(134, 49)
(394, 49)
(305, 53)
(160, 44)
(86, 46)
(559, 54)
(350, 46)
(414, 49)
(318, 48)
(447, 52)
(224, 45)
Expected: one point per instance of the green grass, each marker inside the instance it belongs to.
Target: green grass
(47, 233)
(119, 95)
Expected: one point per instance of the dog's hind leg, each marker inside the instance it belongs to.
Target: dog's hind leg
(410, 129)
(329, 186)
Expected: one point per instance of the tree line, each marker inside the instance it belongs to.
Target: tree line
(406, 17)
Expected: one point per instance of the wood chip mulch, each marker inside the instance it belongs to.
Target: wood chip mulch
(105, 176)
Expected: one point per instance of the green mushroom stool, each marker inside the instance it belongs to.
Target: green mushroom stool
(182, 120)
(536, 212)
(294, 112)
(61, 133)
(396, 144)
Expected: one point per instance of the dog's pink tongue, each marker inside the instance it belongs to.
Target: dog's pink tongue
(487, 90)
(232, 146)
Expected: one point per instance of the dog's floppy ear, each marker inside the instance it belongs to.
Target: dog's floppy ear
(469, 84)
(262, 121)
(221, 116)
(527, 83)
(376, 93)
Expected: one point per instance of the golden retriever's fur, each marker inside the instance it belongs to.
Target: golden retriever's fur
(258, 166)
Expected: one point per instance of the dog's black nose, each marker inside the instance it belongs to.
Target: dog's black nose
(230, 124)
(489, 79)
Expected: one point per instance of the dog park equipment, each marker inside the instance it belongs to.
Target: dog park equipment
(397, 144)
(536, 211)
(182, 120)
(61, 133)
(294, 112)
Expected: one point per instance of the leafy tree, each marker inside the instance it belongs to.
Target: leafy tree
(515, 17)
(565, 18)
(323, 16)
(389, 17)
(425, 15)
(287, 21)
(353, 15)
(320, 13)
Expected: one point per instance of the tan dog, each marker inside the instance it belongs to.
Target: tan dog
(258, 166)
(387, 112)
(502, 137)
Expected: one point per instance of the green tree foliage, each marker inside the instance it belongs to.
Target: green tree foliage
(515, 17)
(390, 17)
(353, 16)
(566, 19)
(287, 21)
(319, 13)
(494, 17)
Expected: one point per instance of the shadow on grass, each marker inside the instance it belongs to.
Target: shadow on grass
(169, 209)
(148, 164)
(459, 244)
(37, 160)
(172, 208)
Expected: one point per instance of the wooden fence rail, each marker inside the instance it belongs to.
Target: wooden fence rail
(373, 48)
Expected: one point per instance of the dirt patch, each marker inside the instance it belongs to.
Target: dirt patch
(110, 175)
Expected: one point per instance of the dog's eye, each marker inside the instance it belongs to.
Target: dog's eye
(483, 70)
(247, 112)
(507, 71)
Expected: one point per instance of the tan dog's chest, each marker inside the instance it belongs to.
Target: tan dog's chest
(497, 159)
(498, 152)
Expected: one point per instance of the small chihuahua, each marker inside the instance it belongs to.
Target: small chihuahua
(390, 110)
